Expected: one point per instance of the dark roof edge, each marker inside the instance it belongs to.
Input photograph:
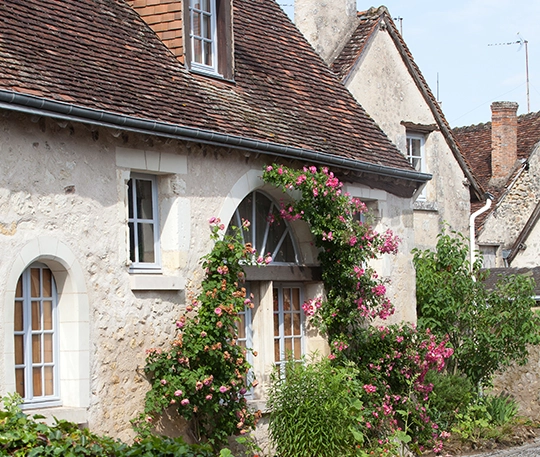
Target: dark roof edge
(31, 104)
(524, 234)
(444, 127)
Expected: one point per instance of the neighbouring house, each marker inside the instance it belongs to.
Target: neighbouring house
(125, 127)
(505, 156)
(366, 51)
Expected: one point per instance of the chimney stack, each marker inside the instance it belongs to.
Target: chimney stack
(503, 140)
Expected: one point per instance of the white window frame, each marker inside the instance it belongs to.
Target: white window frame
(137, 265)
(30, 400)
(422, 157)
(211, 39)
(280, 314)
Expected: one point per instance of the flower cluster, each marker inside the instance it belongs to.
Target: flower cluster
(355, 294)
(204, 373)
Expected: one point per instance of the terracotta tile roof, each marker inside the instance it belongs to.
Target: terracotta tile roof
(475, 144)
(368, 23)
(475, 141)
(100, 54)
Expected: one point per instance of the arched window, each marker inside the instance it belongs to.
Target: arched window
(275, 331)
(269, 233)
(36, 336)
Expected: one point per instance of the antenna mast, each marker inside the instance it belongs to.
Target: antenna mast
(521, 42)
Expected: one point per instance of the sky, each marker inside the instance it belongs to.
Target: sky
(450, 42)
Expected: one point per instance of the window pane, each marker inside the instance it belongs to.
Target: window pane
(47, 283)
(144, 199)
(207, 26)
(146, 243)
(49, 380)
(34, 282)
(48, 348)
(276, 324)
(416, 162)
(19, 349)
(47, 315)
(131, 242)
(287, 324)
(286, 299)
(36, 348)
(205, 4)
(130, 198)
(19, 381)
(36, 315)
(38, 390)
(197, 24)
(241, 324)
(276, 300)
(197, 51)
(18, 291)
(18, 318)
(296, 324)
(288, 347)
(277, 354)
(208, 58)
(296, 299)
(297, 348)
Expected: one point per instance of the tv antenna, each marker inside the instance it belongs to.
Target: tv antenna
(521, 42)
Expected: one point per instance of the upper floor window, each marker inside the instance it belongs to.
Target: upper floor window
(36, 336)
(143, 222)
(416, 154)
(210, 37)
(203, 35)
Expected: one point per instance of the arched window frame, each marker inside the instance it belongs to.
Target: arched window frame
(31, 336)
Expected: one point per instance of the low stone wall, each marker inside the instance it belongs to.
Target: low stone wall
(523, 383)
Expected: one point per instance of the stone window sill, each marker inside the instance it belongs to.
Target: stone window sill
(156, 282)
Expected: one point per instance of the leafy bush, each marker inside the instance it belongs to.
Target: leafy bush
(22, 435)
(204, 372)
(487, 329)
(314, 410)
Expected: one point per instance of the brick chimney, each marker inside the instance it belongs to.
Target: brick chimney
(503, 140)
(165, 18)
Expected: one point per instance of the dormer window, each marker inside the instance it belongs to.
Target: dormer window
(210, 37)
(202, 15)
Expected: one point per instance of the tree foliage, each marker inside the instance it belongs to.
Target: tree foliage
(488, 329)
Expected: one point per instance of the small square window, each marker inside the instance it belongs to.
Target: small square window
(144, 250)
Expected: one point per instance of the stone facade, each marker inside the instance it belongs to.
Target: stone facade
(63, 188)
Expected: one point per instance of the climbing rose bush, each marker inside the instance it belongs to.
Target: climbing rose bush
(355, 294)
(203, 374)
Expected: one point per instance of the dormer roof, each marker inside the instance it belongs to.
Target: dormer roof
(98, 60)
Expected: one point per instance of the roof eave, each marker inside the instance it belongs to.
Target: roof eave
(31, 104)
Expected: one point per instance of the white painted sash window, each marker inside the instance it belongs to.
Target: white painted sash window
(36, 336)
(416, 155)
(203, 35)
(144, 249)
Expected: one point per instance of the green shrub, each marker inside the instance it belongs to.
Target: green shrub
(22, 435)
(313, 411)
(451, 394)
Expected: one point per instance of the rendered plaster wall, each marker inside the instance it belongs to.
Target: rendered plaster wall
(383, 85)
(506, 221)
(66, 184)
